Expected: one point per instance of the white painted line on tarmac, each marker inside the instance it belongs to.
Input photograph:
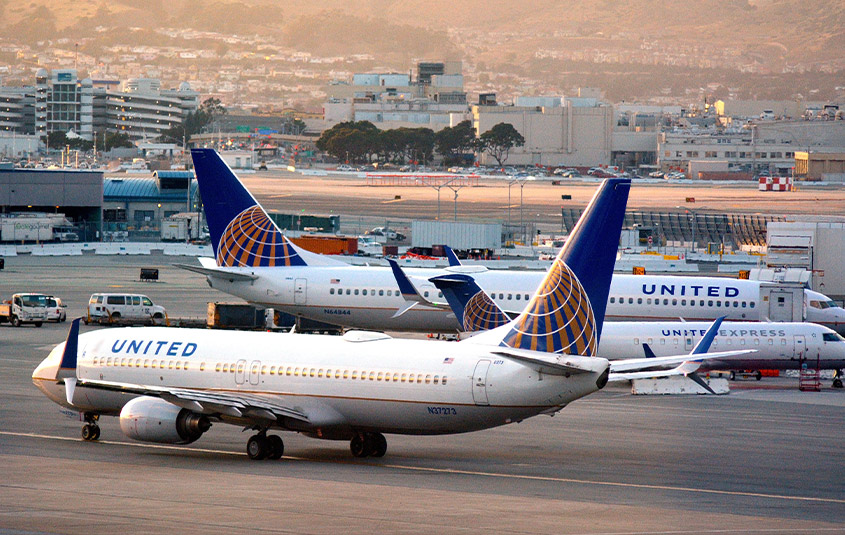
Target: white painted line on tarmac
(465, 472)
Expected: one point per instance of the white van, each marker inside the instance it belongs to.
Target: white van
(56, 310)
(123, 307)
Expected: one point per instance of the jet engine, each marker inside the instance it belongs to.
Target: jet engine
(155, 420)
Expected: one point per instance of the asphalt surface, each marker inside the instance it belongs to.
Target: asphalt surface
(764, 459)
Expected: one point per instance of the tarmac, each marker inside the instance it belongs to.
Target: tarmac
(764, 459)
(538, 201)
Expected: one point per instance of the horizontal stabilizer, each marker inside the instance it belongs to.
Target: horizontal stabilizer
(553, 364)
(218, 273)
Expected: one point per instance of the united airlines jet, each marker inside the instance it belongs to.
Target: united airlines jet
(172, 385)
(255, 262)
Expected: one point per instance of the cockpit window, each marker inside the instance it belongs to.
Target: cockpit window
(831, 304)
(832, 337)
(818, 304)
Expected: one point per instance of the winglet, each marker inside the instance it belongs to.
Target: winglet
(453, 258)
(409, 292)
(405, 287)
(703, 345)
(67, 368)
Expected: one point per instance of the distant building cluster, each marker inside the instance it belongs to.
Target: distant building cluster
(61, 102)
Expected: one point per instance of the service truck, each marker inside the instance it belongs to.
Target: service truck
(182, 227)
(24, 308)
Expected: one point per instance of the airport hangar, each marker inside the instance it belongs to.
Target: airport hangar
(95, 204)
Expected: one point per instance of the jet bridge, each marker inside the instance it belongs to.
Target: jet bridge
(782, 302)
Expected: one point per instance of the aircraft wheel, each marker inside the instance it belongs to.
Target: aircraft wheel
(90, 432)
(257, 447)
(837, 383)
(358, 446)
(377, 445)
(276, 446)
(38, 324)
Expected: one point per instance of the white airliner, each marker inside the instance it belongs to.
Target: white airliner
(780, 346)
(256, 263)
(170, 385)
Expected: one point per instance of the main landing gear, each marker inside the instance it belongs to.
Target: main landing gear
(264, 446)
(368, 445)
(90, 431)
(837, 379)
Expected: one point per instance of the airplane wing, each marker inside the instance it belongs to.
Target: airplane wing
(243, 405)
(218, 273)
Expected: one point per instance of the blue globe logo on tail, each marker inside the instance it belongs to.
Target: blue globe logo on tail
(252, 240)
(559, 318)
(482, 314)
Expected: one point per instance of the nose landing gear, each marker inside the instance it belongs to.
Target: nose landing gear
(91, 431)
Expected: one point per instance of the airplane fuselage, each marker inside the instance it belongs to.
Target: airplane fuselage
(367, 297)
(778, 346)
(359, 382)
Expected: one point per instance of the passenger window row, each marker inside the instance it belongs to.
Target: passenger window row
(331, 373)
(127, 362)
(371, 292)
(289, 371)
(511, 297)
(727, 341)
(684, 302)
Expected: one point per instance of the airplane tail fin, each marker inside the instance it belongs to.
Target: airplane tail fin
(566, 313)
(474, 309)
(242, 233)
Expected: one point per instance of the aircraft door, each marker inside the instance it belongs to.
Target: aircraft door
(479, 382)
(689, 343)
(799, 347)
(240, 372)
(254, 371)
(300, 290)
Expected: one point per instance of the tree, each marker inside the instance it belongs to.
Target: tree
(350, 140)
(453, 142)
(60, 141)
(117, 140)
(193, 123)
(499, 140)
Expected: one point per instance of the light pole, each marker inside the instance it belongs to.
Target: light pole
(521, 182)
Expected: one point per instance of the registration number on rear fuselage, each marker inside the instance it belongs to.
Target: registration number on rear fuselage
(443, 411)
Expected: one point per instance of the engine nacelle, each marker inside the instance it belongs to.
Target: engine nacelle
(155, 420)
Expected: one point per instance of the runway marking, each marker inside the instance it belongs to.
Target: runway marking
(461, 472)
